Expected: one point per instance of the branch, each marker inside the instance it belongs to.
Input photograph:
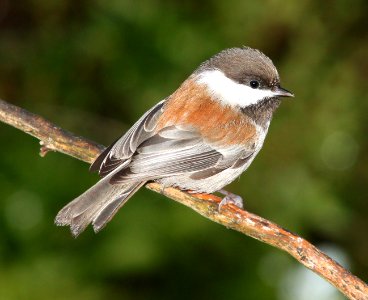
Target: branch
(56, 139)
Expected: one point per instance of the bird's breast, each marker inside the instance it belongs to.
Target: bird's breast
(192, 106)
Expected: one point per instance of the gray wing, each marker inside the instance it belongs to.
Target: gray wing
(176, 150)
(120, 152)
(142, 155)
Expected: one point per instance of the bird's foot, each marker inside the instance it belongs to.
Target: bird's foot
(230, 198)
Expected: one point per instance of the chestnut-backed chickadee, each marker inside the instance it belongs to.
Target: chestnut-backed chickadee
(200, 138)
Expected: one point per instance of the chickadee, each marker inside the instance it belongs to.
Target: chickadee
(199, 139)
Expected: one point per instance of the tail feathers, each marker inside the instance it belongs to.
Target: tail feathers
(108, 212)
(97, 206)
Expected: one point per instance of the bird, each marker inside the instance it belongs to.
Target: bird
(199, 139)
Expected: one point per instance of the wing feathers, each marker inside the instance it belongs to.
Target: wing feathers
(161, 166)
(99, 161)
(124, 148)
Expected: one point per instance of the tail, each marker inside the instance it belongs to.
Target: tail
(97, 206)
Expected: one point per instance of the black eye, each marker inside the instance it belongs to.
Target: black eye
(254, 84)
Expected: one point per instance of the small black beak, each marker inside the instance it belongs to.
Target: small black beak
(281, 92)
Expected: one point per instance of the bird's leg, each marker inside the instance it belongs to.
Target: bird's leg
(162, 189)
(230, 198)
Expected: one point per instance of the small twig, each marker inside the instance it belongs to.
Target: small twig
(56, 139)
(52, 137)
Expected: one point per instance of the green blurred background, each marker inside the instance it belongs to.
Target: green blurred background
(93, 67)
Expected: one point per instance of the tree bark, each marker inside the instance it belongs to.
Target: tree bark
(54, 138)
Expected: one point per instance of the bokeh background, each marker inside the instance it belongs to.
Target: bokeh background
(93, 67)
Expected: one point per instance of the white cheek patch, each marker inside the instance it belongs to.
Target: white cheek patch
(230, 92)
